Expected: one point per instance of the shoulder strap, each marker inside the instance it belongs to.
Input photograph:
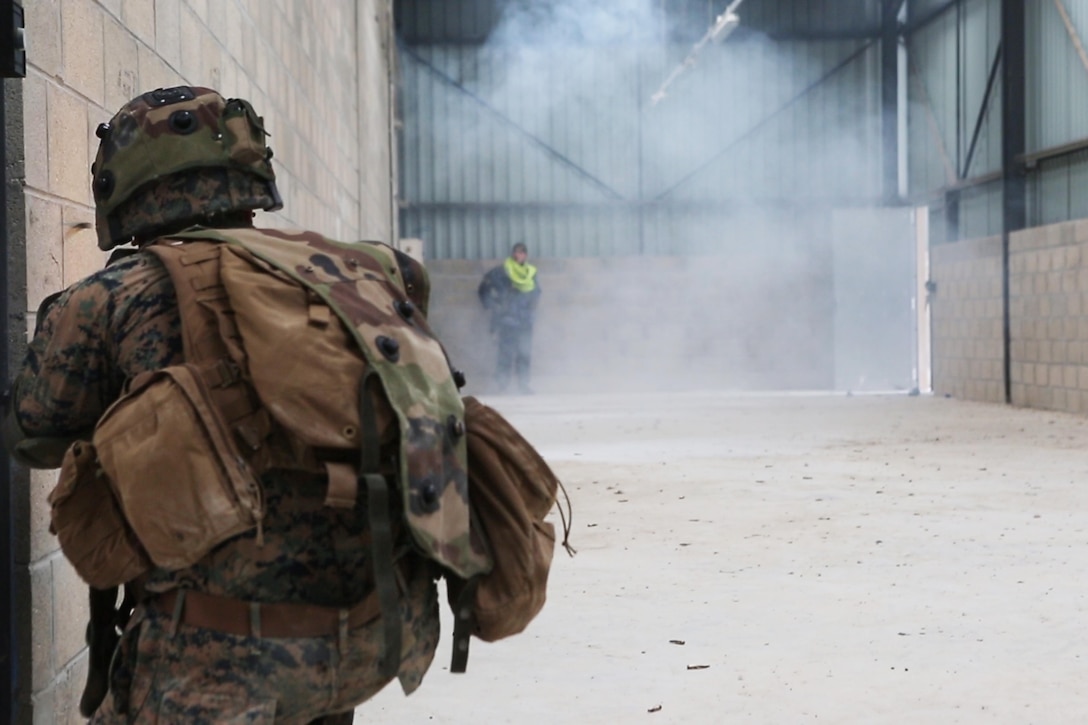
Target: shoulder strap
(211, 340)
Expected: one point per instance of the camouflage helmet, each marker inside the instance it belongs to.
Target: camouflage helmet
(175, 157)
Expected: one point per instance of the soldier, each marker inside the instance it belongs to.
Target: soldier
(510, 292)
(279, 623)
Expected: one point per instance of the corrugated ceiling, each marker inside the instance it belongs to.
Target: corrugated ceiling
(433, 22)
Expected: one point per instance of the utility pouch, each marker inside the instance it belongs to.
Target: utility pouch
(175, 467)
(88, 523)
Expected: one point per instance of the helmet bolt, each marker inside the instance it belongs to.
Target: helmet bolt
(103, 130)
(183, 122)
(405, 309)
(103, 185)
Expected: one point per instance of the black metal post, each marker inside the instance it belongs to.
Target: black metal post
(889, 97)
(8, 668)
(1013, 145)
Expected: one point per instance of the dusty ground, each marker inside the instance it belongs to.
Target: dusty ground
(794, 559)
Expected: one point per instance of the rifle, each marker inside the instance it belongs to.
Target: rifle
(104, 630)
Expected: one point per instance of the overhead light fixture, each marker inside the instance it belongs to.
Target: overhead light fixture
(726, 23)
(723, 27)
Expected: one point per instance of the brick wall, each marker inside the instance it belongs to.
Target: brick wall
(317, 70)
(1048, 318)
(660, 323)
(967, 320)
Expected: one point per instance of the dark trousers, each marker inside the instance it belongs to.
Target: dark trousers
(515, 353)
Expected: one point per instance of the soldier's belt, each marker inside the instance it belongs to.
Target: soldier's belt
(253, 619)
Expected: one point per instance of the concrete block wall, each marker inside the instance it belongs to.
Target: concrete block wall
(968, 352)
(1048, 293)
(318, 71)
(1048, 318)
(660, 323)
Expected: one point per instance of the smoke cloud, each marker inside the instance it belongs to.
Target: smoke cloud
(726, 236)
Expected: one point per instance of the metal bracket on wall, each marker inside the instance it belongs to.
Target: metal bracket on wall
(12, 40)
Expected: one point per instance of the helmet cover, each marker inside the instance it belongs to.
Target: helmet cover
(175, 156)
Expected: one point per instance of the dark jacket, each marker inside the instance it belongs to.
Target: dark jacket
(509, 308)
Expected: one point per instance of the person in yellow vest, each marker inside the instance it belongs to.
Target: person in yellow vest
(511, 292)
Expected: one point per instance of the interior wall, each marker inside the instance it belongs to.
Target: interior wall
(1048, 273)
(316, 70)
(654, 323)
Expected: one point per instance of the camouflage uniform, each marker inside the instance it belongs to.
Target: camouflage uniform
(114, 325)
(123, 321)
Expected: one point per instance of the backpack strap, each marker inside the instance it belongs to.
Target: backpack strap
(381, 529)
(212, 343)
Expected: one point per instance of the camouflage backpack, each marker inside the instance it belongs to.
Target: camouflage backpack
(300, 352)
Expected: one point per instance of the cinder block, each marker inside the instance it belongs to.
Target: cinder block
(1080, 231)
(211, 61)
(200, 7)
(1059, 351)
(42, 21)
(73, 690)
(1040, 283)
(154, 73)
(44, 249)
(217, 20)
(82, 256)
(122, 67)
(1068, 376)
(42, 543)
(1054, 328)
(70, 612)
(1053, 282)
(81, 33)
(168, 32)
(1072, 256)
(192, 30)
(67, 121)
(1066, 233)
(1082, 377)
(1031, 262)
(235, 30)
(42, 669)
(35, 135)
(44, 706)
(1073, 304)
(139, 17)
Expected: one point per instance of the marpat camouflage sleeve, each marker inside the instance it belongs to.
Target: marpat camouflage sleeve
(116, 323)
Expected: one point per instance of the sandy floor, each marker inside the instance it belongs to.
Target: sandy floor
(794, 559)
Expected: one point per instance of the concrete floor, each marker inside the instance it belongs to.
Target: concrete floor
(790, 559)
